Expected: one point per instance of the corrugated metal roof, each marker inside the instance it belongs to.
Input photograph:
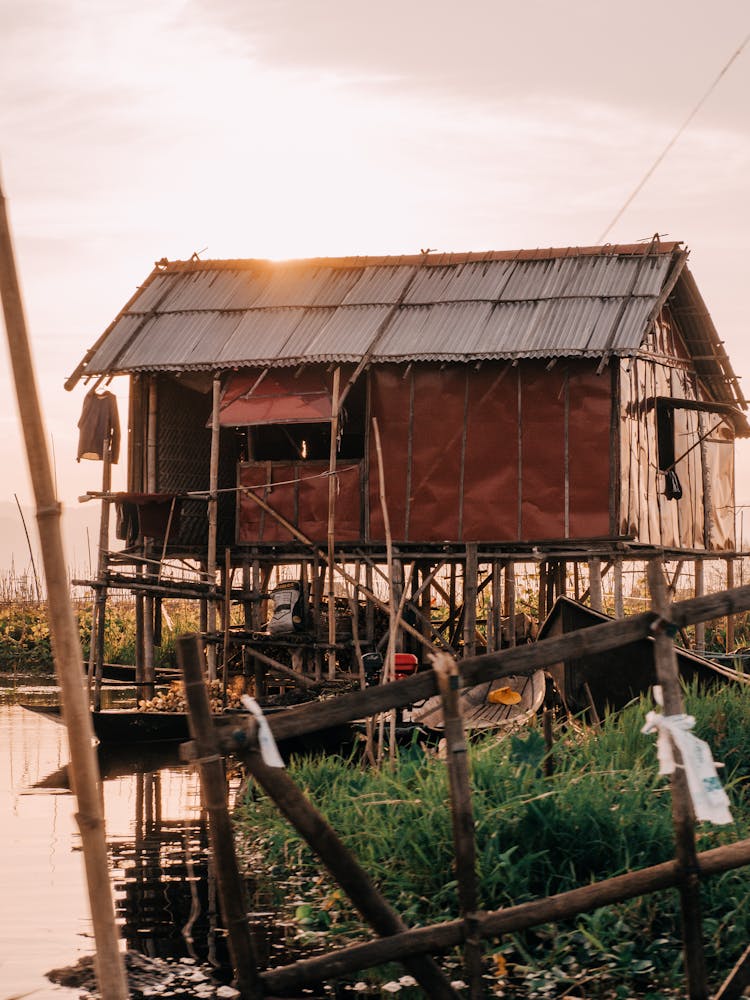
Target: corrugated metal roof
(547, 303)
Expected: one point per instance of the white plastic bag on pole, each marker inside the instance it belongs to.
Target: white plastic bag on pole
(710, 801)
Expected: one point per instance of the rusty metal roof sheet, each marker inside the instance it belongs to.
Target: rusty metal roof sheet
(590, 301)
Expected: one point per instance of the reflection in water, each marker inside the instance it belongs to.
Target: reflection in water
(164, 884)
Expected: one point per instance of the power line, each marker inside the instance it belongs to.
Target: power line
(673, 140)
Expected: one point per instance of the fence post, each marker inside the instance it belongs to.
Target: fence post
(190, 658)
(667, 672)
(462, 816)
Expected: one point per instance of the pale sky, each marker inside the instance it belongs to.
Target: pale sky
(134, 130)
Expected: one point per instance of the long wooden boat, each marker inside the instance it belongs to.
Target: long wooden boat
(481, 712)
(612, 679)
(117, 726)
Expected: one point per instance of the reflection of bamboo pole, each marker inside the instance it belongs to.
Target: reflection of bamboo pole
(66, 646)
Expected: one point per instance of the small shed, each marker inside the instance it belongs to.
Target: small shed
(557, 405)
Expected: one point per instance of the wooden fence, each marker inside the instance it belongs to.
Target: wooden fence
(415, 947)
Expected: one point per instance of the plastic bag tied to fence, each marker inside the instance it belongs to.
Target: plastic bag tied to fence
(266, 743)
(710, 801)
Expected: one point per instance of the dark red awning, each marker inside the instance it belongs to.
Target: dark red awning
(279, 398)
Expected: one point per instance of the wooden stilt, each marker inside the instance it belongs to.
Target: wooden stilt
(108, 961)
(496, 607)
(730, 643)
(618, 595)
(331, 522)
(510, 601)
(700, 628)
(665, 660)
(596, 595)
(542, 592)
(462, 815)
(99, 617)
(471, 571)
(213, 511)
(213, 786)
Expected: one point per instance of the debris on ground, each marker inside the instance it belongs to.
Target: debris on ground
(179, 979)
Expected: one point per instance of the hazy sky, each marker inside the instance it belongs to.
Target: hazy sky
(135, 130)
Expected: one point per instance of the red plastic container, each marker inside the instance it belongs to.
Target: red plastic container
(405, 664)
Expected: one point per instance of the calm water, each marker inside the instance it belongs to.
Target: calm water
(164, 895)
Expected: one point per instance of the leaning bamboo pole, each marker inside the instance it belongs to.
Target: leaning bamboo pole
(84, 769)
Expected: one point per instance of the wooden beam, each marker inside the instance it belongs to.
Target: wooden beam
(331, 524)
(511, 919)
(213, 506)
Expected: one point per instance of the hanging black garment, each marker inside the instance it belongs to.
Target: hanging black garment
(99, 421)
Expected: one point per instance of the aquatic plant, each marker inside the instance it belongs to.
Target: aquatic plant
(603, 812)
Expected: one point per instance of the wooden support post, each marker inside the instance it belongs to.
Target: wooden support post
(700, 627)
(494, 626)
(148, 646)
(213, 787)
(425, 599)
(140, 673)
(452, 604)
(667, 672)
(331, 525)
(596, 596)
(542, 590)
(344, 867)
(471, 571)
(108, 961)
(730, 643)
(462, 816)
(99, 617)
(369, 608)
(317, 604)
(619, 602)
(510, 601)
(213, 513)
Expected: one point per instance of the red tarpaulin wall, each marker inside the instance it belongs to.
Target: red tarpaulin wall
(453, 470)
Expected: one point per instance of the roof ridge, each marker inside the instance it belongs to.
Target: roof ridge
(429, 260)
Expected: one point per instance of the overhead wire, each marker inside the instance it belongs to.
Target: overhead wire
(649, 173)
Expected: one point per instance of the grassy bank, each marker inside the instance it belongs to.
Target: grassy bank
(605, 811)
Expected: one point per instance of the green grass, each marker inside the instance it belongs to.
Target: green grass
(605, 811)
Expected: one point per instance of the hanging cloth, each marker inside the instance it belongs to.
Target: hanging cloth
(99, 421)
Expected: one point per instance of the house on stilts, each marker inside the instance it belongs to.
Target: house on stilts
(465, 413)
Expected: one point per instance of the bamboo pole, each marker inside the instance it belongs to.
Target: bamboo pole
(730, 644)
(462, 816)
(667, 672)
(448, 934)
(98, 619)
(213, 786)
(595, 584)
(471, 570)
(344, 867)
(84, 770)
(213, 508)
(618, 595)
(738, 979)
(700, 627)
(331, 524)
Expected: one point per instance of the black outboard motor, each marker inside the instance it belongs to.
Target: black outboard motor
(373, 664)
